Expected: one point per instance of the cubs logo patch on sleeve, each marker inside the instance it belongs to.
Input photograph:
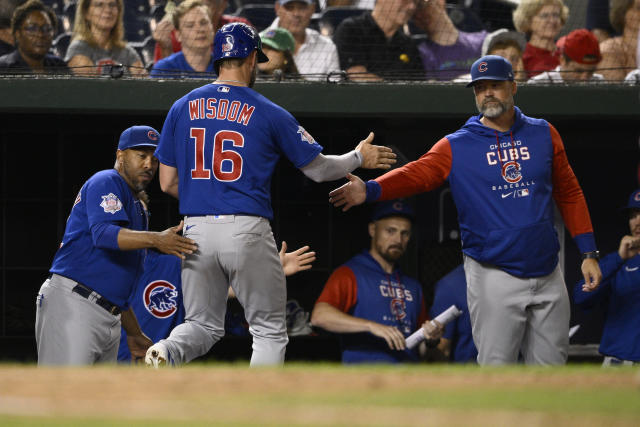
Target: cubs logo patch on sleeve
(160, 299)
(305, 136)
(110, 203)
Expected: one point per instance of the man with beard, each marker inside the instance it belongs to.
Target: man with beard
(370, 302)
(504, 169)
(83, 302)
(218, 151)
(619, 293)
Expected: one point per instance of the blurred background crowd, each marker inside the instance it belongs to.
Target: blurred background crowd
(547, 41)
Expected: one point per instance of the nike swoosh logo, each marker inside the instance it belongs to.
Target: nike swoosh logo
(630, 269)
(188, 227)
(506, 195)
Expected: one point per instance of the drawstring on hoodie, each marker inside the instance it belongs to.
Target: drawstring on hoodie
(498, 149)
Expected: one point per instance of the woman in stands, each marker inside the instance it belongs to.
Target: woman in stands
(619, 54)
(98, 40)
(541, 21)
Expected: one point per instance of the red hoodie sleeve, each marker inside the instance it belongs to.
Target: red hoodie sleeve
(425, 174)
(341, 290)
(567, 192)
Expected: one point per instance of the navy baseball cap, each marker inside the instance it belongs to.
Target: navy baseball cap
(397, 207)
(138, 136)
(491, 67)
(634, 201)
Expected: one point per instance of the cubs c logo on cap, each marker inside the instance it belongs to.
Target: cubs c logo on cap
(482, 67)
(637, 197)
(152, 135)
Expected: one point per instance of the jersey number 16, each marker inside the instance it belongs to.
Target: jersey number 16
(233, 158)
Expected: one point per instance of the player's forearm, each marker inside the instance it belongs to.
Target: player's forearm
(129, 240)
(329, 168)
(130, 323)
(331, 319)
(168, 177)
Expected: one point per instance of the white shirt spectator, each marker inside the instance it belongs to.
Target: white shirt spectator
(555, 76)
(633, 77)
(317, 56)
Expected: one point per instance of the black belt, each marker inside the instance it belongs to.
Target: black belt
(86, 292)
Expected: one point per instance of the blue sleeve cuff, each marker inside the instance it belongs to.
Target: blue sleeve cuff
(586, 242)
(105, 236)
(373, 191)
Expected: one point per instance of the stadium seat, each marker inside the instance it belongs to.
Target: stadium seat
(145, 50)
(260, 15)
(137, 29)
(464, 18)
(68, 15)
(332, 16)
(60, 44)
(56, 5)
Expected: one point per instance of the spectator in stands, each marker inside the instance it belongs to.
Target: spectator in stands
(165, 32)
(33, 26)
(541, 21)
(619, 293)
(456, 343)
(508, 44)
(373, 47)
(278, 44)
(370, 302)
(315, 55)
(195, 32)
(598, 19)
(580, 55)
(448, 52)
(7, 8)
(619, 54)
(98, 40)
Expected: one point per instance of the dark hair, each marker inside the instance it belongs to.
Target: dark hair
(23, 11)
(503, 44)
(7, 7)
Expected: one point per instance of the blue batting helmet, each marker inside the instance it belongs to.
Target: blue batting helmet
(237, 40)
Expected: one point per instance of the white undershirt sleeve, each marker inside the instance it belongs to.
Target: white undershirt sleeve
(329, 168)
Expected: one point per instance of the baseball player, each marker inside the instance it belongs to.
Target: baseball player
(157, 298)
(370, 302)
(619, 292)
(83, 302)
(219, 148)
(504, 170)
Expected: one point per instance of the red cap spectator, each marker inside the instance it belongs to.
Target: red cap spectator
(580, 46)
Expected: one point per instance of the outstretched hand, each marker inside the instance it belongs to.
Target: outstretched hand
(298, 260)
(170, 242)
(375, 156)
(350, 194)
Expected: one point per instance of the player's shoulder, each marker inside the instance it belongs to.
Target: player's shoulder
(106, 178)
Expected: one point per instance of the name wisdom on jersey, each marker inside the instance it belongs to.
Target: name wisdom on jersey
(220, 109)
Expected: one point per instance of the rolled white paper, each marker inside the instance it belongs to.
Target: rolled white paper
(445, 317)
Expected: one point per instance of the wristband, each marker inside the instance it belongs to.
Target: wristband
(593, 254)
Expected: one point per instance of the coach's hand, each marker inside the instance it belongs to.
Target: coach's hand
(138, 345)
(170, 242)
(592, 274)
(350, 194)
(298, 260)
(394, 338)
(375, 156)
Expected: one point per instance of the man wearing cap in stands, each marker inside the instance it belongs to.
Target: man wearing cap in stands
(619, 293)
(505, 170)
(580, 55)
(315, 55)
(370, 302)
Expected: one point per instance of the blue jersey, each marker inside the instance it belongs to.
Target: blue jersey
(176, 66)
(452, 290)
(225, 142)
(363, 289)
(156, 300)
(619, 292)
(105, 199)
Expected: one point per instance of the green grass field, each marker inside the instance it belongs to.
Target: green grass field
(320, 394)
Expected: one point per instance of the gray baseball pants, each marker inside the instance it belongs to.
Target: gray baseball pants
(239, 251)
(72, 330)
(511, 315)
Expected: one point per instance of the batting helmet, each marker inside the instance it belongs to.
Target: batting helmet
(237, 40)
